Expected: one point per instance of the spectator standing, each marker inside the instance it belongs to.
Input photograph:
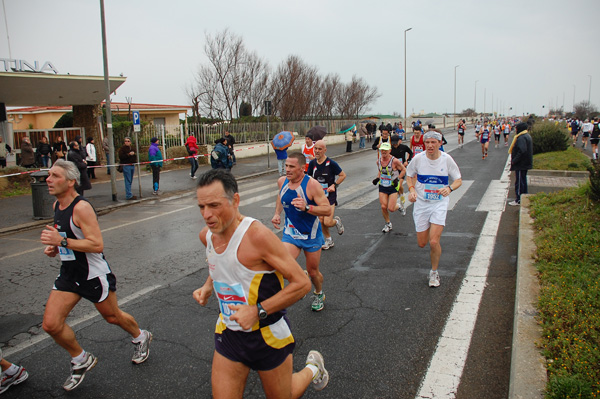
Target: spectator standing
(156, 158)
(90, 150)
(362, 134)
(349, 137)
(192, 148)
(43, 151)
(281, 157)
(4, 151)
(59, 149)
(106, 149)
(521, 160)
(74, 155)
(230, 143)
(27, 155)
(220, 157)
(127, 160)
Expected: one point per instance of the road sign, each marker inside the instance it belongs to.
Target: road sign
(268, 109)
(136, 121)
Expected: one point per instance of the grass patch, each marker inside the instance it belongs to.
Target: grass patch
(571, 159)
(14, 185)
(568, 232)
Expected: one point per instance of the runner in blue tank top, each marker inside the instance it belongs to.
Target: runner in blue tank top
(303, 200)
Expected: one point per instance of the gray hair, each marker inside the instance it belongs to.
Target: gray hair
(71, 171)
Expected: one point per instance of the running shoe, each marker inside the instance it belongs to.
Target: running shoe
(318, 302)
(155, 192)
(328, 243)
(15, 379)
(322, 378)
(434, 279)
(338, 225)
(401, 206)
(78, 371)
(387, 228)
(142, 348)
(514, 203)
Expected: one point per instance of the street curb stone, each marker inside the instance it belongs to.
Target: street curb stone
(528, 375)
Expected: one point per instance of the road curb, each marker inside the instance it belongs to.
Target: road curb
(528, 376)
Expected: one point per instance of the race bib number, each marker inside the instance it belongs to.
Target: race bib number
(293, 232)
(229, 295)
(418, 150)
(385, 181)
(431, 192)
(325, 187)
(65, 254)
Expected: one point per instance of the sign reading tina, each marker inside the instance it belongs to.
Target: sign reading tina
(11, 65)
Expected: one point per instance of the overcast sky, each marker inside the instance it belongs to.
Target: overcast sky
(526, 54)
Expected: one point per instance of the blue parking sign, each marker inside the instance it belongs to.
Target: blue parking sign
(136, 121)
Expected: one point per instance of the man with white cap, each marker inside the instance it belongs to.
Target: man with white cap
(428, 179)
(390, 172)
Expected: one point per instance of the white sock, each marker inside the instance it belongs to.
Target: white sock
(12, 370)
(79, 359)
(314, 369)
(140, 337)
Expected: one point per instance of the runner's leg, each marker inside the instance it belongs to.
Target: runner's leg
(58, 307)
(312, 266)
(228, 377)
(109, 309)
(279, 382)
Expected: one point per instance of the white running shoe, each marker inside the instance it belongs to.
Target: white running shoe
(322, 378)
(338, 225)
(514, 203)
(434, 278)
(142, 348)
(15, 379)
(328, 243)
(387, 228)
(78, 371)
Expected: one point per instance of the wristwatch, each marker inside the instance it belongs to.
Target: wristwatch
(262, 313)
(306, 208)
(64, 243)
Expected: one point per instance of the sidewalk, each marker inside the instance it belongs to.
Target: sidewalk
(16, 213)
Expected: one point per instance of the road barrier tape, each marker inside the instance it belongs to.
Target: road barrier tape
(137, 163)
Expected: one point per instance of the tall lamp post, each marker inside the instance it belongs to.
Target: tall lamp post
(590, 92)
(475, 99)
(454, 120)
(406, 30)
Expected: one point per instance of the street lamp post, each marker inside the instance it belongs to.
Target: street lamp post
(475, 99)
(406, 30)
(590, 92)
(573, 98)
(454, 116)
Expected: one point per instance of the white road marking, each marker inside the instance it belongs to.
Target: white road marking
(447, 364)
(36, 339)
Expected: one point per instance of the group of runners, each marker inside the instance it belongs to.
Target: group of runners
(247, 263)
(590, 132)
(485, 129)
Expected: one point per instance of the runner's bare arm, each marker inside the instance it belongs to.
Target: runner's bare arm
(262, 249)
(315, 192)
(202, 294)
(276, 220)
(85, 218)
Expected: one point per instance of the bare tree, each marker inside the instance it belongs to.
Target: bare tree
(584, 110)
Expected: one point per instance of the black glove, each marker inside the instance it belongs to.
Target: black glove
(375, 181)
(395, 182)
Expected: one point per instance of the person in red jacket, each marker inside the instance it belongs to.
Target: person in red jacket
(192, 148)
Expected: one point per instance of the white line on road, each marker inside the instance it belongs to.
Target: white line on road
(447, 364)
(36, 339)
(105, 230)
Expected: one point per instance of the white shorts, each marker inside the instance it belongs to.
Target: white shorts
(426, 213)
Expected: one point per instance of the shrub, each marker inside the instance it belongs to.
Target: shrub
(594, 170)
(561, 387)
(548, 137)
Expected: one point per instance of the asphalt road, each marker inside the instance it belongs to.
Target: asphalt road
(380, 327)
